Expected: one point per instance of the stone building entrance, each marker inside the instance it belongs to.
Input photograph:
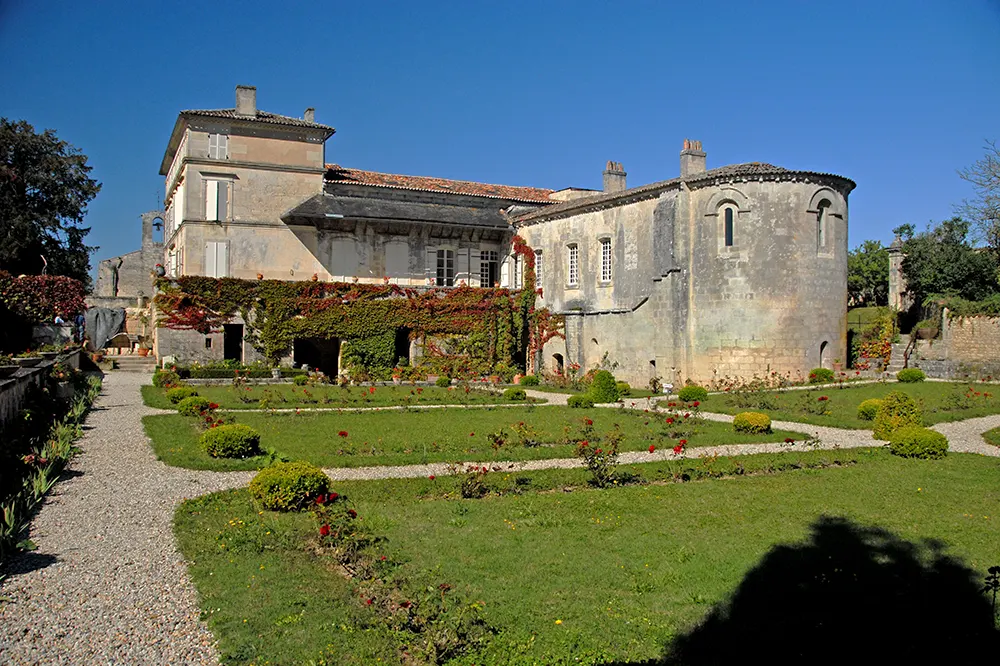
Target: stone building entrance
(319, 354)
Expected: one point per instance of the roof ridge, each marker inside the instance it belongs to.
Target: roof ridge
(437, 184)
(454, 180)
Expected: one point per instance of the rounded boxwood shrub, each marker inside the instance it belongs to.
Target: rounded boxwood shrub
(300, 380)
(603, 388)
(581, 401)
(754, 423)
(692, 392)
(443, 381)
(193, 406)
(165, 378)
(820, 376)
(231, 441)
(909, 375)
(917, 442)
(898, 410)
(529, 380)
(288, 486)
(624, 388)
(868, 409)
(515, 394)
(175, 395)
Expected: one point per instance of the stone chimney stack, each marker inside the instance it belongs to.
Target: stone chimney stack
(246, 101)
(614, 177)
(310, 115)
(692, 159)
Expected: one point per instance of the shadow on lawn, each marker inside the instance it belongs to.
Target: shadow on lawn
(850, 593)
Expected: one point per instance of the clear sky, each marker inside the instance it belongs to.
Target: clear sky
(894, 95)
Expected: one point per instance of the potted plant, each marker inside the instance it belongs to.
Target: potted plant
(397, 375)
(927, 329)
(7, 366)
(49, 351)
(837, 365)
(28, 359)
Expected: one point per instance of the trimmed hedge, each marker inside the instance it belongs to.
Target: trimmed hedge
(604, 388)
(755, 423)
(288, 486)
(192, 406)
(580, 401)
(231, 441)
(692, 393)
(898, 410)
(443, 381)
(175, 395)
(917, 442)
(820, 376)
(300, 380)
(515, 395)
(868, 410)
(623, 388)
(910, 375)
(529, 380)
(165, 378)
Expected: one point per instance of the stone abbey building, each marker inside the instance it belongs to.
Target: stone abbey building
(734, 270)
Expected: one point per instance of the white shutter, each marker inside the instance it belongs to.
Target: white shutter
(223, 146)
(210, 259)
(430, 264)
(505, 274)
(213, 146)
(475, 259)
(211, 200)
(222, 259)
(462, 265)
(224, 189)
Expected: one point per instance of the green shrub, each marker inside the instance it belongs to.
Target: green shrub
(623, 388)
(603, 388)
(917, 442)
(754, 423)
(300, 380)
(868, 409)
(692, 392)
(231, 441)
(515, 395)
(581, 401)
(288, 486)
(898, 410)
(820, 376)
(165, 378)
(909, 375)
(529, 380)
(175, 395)
(193, 406)
(443, 382)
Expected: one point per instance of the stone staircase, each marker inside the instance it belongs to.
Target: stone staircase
(133, 363)
(898, 350)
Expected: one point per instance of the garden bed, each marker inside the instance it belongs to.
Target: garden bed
(593, 576)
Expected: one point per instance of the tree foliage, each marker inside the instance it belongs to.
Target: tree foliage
(984, 209)
(943, 261)
(868, 274)
(45, 187)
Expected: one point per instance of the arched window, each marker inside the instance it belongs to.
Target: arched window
(822, 221)
(728, 223)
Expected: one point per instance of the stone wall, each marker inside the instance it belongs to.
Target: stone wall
(967, 348)
(13, 390)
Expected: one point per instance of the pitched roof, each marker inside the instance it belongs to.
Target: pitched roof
(324, 206)
(261, 117)
(338, 174)
(745, 170)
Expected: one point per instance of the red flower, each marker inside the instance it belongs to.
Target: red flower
(652, 448)
(687, 415)
(683, 442)
(208, 419)
(789, 440)
(371, 390)
(669, 421)
(324, 530)
(342, 433)
(584, 443)
(213, 405)
(321, 499)
(695, 403)
(822, 398)
(431, 477)
(588, 422)
(678, 449)
(598, 451)
(332, 496)
(472, 434)
(352, 513)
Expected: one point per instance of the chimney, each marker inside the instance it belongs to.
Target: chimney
(310, 115)
(614, 177)
(692, 159)
(246, 101)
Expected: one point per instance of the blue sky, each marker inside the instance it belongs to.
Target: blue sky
(894, 95)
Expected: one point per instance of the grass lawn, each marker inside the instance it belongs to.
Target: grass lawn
(634, 394)
(992, 436)
(436, 435)
(591, 575)
(942, 401)
(289, 396)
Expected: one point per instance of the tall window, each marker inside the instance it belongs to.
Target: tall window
(218, 197)
(573, 264)
(217, 259)
(728, 226)
(489, 268)
(445, 268)
(605, 260)
(538, 269)
(218, 146)
(517, 265)
(822, 216)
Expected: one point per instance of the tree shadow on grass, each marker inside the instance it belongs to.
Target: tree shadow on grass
(849, 594)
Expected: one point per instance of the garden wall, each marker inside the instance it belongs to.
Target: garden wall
(967, 347)
(14, 389)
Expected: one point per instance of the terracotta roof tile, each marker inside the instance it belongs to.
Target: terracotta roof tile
(338, 174)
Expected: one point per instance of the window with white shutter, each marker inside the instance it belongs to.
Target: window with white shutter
(218, 196)
(217, 259)
(218, 146)
(538, 269)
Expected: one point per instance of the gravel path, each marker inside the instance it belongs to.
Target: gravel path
(106, 584)
(966, 436)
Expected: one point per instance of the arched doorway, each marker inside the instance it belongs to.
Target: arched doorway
(824, 360)
(560, 366)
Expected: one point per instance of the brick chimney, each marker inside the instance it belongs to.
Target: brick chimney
(246, 101)
(310, 115)
(692, 158)
(614, 177)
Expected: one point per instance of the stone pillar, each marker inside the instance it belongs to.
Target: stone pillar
(897, 284)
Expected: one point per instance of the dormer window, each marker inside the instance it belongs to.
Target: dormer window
(218, 146)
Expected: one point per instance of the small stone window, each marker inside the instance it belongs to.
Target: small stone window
(729, 215)
(822, 224)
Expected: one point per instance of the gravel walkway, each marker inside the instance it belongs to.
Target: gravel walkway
(107, 585)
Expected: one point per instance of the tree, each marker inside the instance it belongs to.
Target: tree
(941, 260)
(44, 191)
(868, 274)
(984, 209)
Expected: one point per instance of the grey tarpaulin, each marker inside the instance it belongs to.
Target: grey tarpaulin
(103, 324)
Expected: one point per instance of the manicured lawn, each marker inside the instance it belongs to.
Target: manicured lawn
(583, 576)
(942, 401)
(634, 393)
(437, 435)
(287, 396)
(992, 436)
